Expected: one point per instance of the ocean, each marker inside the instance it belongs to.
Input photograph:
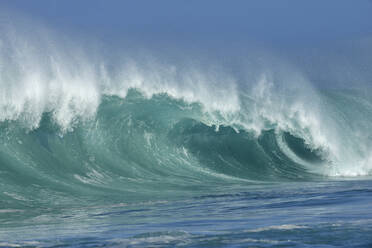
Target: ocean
(143, 128)
(163, 171)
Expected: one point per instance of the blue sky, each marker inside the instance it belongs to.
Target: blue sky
(259, 20)
(316, 34)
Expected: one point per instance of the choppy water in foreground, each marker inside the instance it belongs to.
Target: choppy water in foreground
(313, 214)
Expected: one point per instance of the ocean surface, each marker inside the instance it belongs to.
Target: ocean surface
(111, 145)
(263, 167)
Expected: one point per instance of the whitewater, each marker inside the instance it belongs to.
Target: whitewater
(144, 152)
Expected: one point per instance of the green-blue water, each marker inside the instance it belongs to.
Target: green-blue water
(161, 172)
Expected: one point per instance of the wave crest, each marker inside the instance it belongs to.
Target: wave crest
(74, 122)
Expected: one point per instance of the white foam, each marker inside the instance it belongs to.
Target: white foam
(47, 75)
(279, 227)
(10, 211)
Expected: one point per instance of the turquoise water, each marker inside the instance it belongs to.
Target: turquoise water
(162, 171)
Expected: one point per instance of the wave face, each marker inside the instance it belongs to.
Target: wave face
(74, 126)
(132, 144)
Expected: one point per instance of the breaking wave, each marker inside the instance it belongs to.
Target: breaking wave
(74, 125)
